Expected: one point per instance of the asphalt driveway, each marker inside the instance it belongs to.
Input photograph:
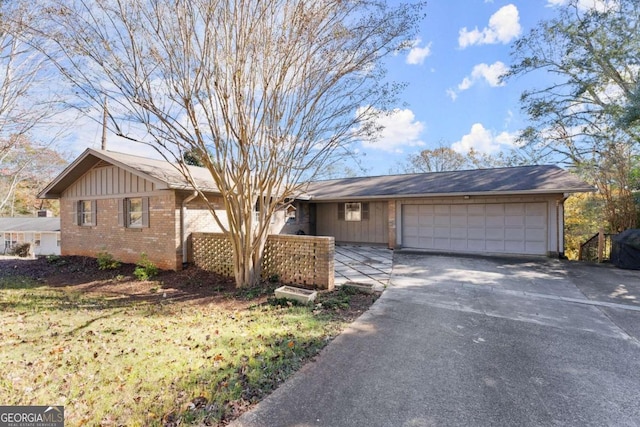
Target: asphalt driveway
(477, 341)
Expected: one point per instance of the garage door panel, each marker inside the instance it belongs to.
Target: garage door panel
(413, 242)
(535, 247)
(441, 243)
(496, 227)
(459, 233)
(495, 233)
(458, 210)
(458, 221)
(517, 247)
(441, 232)
(425, 232)
(494, 209)
(511, 220)
(514, 234)
(476, 245)
(410, 231)
(426, 242)
(476, 210)
(442, 210)
(441, 220)
(539, 209)
(494, 245)
(459, 244)
(495, 221)
(514, 209)
(476, 233)
(535, 235)
(535, 221)
(476, 221)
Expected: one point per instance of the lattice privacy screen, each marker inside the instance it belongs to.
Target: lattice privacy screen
(297, 260)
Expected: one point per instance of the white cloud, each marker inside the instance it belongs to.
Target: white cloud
(399, 129)
(598, 5)
(489, 73)
(483, 140)
(417, 54)
(504, 26)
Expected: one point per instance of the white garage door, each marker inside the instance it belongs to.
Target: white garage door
(516, 228)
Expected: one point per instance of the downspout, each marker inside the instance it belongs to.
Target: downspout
(558, 223)
(183, 226)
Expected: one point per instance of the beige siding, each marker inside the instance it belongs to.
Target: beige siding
(108, 180)
(374, 230)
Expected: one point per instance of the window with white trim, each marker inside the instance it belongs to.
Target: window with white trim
(37, 237)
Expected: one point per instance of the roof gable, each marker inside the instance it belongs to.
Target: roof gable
(161, 173)
(515, 180)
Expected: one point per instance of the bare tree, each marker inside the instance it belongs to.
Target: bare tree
(444, 158)
(26, 168)
(26, 96)
(439, 159)
(263, 92)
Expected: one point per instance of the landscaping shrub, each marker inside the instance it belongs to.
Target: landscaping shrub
(22, 250)
(106, 261)
(145, 269)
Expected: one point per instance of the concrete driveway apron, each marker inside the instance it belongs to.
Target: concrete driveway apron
(363, 264)
(475, 341)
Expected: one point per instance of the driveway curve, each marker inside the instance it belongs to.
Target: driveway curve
(477, 341)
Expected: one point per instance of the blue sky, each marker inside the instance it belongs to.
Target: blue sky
(453, 95)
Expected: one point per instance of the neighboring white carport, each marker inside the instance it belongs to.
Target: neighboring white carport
(42, 233)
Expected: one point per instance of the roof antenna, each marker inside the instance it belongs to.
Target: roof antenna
(104, 124)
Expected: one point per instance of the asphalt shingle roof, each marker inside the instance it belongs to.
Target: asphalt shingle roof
(163, 173)
(523, 179)
(37, 224)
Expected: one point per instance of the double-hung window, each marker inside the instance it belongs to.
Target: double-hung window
(134, 212)
(86, 213)
(353, 211)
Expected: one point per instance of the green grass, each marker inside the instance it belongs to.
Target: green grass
(110, 361)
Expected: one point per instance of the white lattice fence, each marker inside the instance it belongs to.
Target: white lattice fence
(299, 260)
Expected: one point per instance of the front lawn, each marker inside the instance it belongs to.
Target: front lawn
(185, 348)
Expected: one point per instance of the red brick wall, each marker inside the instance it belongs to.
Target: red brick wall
(160, 241)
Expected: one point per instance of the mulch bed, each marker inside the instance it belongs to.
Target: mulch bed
(191, 285)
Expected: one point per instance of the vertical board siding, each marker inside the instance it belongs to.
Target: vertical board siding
(373, 230)
(108, 181)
